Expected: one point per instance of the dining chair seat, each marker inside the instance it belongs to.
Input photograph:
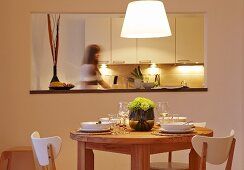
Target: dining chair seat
(46, 150)
(173, 165)
(215, 150)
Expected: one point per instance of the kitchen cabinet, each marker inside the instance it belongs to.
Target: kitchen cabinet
(157, 50)
(190, 39)
(123, 49)
(186, 45)
(97, 31)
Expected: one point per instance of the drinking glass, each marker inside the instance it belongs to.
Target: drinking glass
(123, 113)
(114, 120)
(162, 109)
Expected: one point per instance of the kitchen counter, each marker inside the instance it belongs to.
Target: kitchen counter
(183, 89)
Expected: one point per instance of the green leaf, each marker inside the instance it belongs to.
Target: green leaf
(139, 71)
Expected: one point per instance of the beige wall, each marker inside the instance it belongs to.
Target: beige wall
(22, 113)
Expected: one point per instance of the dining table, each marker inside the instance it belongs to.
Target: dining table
(140, 145)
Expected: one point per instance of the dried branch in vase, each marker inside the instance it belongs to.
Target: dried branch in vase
(53, 32)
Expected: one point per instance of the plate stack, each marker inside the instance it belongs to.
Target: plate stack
(177, 127)
(94, 127)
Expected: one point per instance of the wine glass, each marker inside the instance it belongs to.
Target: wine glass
(114, 120)
(162, 109)
(123, 113)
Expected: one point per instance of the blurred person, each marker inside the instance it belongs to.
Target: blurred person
(90, 74)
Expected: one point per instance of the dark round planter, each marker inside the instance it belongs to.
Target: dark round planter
(141, 120)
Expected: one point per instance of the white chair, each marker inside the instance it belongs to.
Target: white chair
(215, 150)
(46, 150)
(173, 165)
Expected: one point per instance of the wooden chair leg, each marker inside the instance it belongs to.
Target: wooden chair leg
(203, 157)
(230, 158)
(170, 157)
(51, 157)
(9, 165)
(44, 167)
(6, 156)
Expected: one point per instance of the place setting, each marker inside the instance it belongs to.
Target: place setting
(112, 124)
(172, 124)
(175, 128)
(94, 128)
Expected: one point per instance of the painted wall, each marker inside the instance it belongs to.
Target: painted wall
(22, 113)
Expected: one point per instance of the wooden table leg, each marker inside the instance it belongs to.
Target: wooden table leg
(85, 160)
(140, 157)
(194, 160)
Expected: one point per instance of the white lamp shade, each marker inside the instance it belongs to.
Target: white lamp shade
(145, 19)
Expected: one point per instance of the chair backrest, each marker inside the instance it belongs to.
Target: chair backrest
(40, 146)
(218, 148)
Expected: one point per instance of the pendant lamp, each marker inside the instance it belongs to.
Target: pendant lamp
(145, 19)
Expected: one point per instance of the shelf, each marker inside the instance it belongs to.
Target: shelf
(116, 90)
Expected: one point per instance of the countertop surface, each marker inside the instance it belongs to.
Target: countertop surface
(169, 89)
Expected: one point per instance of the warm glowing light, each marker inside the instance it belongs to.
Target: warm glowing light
(105, 70)
(153, 65)
(190, 69)
(103, 66)
(197, 68)
(145, 19)
(153, 70)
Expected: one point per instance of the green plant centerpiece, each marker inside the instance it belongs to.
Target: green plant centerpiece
(141, 117)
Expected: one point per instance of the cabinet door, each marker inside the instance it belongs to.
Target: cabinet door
(123, 49)
(157, 50)
(97, 31)
(190, 39)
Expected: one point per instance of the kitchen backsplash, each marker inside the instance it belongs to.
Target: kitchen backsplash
(170, 75)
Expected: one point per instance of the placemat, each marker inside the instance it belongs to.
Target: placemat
(92, 133)
(157, 133)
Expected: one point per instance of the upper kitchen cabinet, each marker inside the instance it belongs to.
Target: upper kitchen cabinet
(190, 39)
(123, 49)
(157, 50)
(97, 31)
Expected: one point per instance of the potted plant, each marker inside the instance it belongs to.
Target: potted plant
(138, 77)
(141, 117)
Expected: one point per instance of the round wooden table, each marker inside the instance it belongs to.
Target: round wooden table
(137, 144)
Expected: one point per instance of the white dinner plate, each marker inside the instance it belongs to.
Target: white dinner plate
(94, 130)
(176, 131)
(94, 125)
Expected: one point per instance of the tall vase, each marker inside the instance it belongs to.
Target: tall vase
(141, 120)
(55, 77)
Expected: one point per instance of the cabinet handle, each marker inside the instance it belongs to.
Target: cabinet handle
(103, 62)
(183, 61)
(119, 62)
(144, 61)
